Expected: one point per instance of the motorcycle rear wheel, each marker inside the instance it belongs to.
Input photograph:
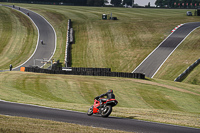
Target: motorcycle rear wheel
(90, 111)
(106, 111)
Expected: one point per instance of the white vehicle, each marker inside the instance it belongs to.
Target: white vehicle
(189, 13)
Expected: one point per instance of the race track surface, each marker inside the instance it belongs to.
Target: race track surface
(151, 64)
(45, 33)
(155, 60)
(16, 109)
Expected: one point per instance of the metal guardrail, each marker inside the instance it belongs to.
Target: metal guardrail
(182, 76)
(70, 40)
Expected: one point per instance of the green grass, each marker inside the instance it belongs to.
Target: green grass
(152, 100)
(120, 45)
(18, 38)
(194, 76)
(10, 124)
(184, 56)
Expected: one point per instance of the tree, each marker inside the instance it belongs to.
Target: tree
(95, 2)
(128, 2)
(149, 4)
(116, 2)
(98, 2)
(132, 3)
(159, 3)
(90, 2)
(106, 1)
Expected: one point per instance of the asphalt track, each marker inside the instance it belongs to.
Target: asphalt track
(155, 60)
(46, 33)
(46, 51)
(16, 109)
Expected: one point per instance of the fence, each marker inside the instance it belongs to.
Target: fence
(182, 76)
(81, 70)
(87, 71)
(70, 40)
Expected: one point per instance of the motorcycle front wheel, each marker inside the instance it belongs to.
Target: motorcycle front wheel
(90, 111)
(106, 111)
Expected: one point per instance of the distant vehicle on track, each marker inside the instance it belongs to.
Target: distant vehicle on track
(189, 13)
(42, 42)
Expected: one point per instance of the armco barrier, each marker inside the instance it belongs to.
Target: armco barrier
(182, 76)
(68, 44)
(87, 71)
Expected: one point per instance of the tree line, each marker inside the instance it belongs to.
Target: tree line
(75, 2)
(178, 3)
(158, 3)
(71, 2)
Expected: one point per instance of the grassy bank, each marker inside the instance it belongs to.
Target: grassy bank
(9, 124)
(156, 100)
(18, 38)
(194, 76)
(184, 56)
(122, 44)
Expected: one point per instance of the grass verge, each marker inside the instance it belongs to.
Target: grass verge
(18, 37)
(152, 100)
(122, 44)
(193, 77)
(184, 56)
(13, 124)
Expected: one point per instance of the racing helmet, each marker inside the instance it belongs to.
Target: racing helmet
(110, 91)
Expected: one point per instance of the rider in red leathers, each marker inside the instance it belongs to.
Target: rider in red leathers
(109, 95)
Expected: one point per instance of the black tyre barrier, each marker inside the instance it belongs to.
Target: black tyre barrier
(80, 69)
(88, 71)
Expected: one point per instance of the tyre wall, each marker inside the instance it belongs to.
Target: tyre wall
(87, 71)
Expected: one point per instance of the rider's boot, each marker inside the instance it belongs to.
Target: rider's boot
(100, 106)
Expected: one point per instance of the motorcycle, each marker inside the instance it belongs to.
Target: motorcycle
(105, 109)
(42, 42)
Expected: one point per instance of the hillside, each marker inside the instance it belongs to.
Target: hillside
(120, 45)
(184, 56)
(18, 38)
(152, 100)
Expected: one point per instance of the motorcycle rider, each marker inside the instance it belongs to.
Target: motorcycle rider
(109, 95)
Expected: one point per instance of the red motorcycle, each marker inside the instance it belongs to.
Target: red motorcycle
(105, 109)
